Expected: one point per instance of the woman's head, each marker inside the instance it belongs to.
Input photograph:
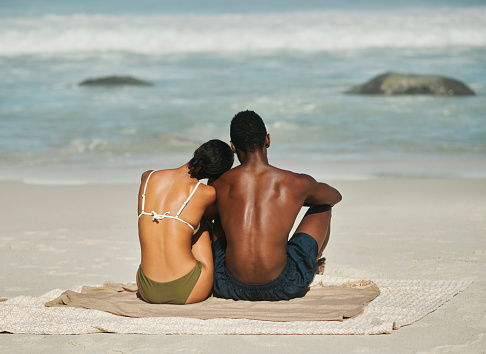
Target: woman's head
(211, 160)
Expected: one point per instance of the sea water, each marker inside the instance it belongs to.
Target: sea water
(289, 61)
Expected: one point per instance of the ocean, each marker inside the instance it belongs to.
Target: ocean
(289, 61)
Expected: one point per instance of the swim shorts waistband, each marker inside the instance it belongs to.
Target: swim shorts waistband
(277, 282)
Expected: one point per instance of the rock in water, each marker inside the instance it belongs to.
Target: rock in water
(410, 84)
(115, 81)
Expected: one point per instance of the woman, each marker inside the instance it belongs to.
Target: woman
(177, 263)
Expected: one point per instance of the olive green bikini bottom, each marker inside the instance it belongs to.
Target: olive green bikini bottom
(172, 292)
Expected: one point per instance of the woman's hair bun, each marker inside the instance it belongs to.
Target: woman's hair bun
(211, 160)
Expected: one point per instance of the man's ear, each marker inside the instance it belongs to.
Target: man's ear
(267, 141)
(233, 147)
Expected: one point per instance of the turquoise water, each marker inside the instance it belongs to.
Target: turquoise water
(290, 63)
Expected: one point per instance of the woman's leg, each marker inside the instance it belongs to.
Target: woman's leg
(201, 249)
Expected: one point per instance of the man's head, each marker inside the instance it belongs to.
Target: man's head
(248, 132)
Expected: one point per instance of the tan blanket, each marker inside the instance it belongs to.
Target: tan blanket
(329, 303)
(400, 303)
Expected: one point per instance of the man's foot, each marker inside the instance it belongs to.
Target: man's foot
(321, 265)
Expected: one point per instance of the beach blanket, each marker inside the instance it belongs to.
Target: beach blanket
(329, 303)
(401, 302)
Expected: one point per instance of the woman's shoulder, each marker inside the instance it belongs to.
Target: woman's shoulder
(156, 174)
(206, 187)
(207, 191)
(146, 174)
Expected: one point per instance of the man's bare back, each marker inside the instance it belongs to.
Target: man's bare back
(258, 205)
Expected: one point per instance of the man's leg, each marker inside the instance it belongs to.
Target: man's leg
(221, 286)
(317, 223)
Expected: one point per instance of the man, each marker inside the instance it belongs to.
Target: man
(258, 204)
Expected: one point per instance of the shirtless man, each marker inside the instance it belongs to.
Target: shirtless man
(258, 204)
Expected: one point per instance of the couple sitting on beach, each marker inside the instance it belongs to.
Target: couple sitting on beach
(244, 252)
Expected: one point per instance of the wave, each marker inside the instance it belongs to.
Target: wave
(244, 33)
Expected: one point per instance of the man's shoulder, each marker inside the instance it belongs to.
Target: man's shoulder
(240, 173)
(225, 178)
(295, 177)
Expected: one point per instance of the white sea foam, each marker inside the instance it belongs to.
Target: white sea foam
(53, 131)
(244, 33)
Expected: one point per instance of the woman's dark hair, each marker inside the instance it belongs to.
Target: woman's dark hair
(248, 131)
(211, 160)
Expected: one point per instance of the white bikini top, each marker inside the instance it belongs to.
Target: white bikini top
(156, 216)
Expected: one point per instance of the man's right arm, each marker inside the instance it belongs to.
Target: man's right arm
(321, 193)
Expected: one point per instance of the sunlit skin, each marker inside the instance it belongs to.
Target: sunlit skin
(169, 250)
(258, 204)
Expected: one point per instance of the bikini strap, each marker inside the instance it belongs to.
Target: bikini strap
(167, 215)
(144, 190)
(188, 199)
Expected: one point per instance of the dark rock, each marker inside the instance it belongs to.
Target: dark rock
(115, 81)
(410, 84)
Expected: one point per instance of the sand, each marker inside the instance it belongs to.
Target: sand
(65, 236)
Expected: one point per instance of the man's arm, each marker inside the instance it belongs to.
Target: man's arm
(321, 193)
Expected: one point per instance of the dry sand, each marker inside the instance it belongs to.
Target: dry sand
(65, 236)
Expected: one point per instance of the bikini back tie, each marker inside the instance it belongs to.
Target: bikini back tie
(156, 216)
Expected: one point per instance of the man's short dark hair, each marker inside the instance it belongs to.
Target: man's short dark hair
(247, 131)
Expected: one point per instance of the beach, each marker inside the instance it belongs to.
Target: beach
(411, 168)
(60, 237)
